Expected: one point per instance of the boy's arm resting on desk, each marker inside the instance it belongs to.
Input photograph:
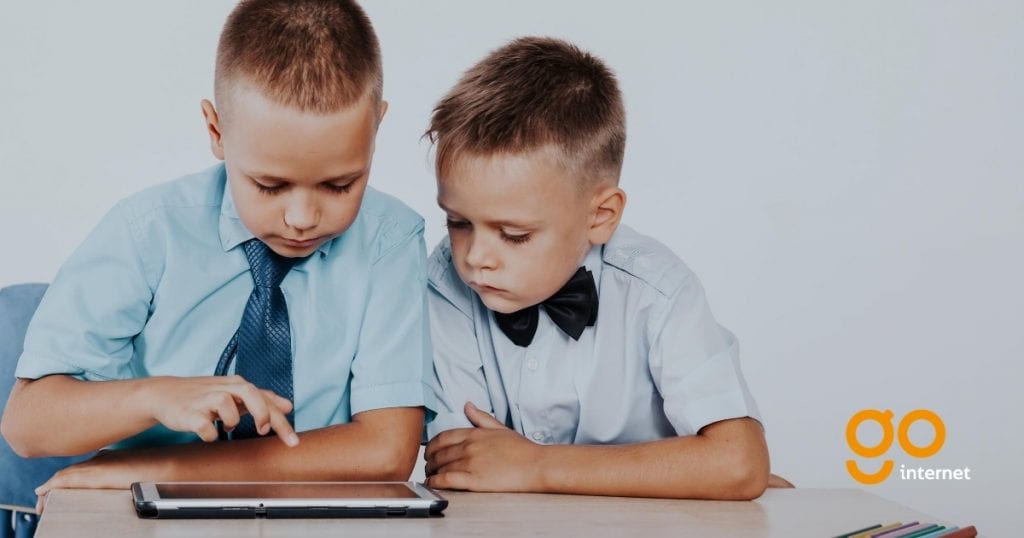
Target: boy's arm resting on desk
(59, 415)
(726, 460)
(381, 444)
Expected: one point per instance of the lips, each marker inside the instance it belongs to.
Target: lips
(484, 288)
(301, 243)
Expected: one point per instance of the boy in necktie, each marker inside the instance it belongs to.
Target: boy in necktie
(275, 291)
(572, 354)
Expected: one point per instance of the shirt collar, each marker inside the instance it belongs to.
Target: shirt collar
(232, 231)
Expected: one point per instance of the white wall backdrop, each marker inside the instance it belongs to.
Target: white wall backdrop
(845, 177)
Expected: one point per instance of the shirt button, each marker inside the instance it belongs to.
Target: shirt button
(532, 363)
(538, 435)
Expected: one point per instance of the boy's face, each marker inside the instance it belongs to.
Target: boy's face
(520, 227)
(297, 178)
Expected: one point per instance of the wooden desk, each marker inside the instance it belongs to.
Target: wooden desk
(779, 513)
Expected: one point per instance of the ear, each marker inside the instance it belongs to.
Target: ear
(606, 207)
(383, 110)
(213, 127)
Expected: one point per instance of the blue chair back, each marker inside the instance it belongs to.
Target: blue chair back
(20, 476)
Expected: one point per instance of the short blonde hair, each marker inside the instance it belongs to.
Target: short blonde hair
(314, 55)
(534, 93)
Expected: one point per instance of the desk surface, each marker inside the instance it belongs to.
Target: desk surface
(785, 512)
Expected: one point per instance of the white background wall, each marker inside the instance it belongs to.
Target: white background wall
(845, 177)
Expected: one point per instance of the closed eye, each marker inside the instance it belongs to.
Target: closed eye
(338, 188)
(514, 238)
(269, 189)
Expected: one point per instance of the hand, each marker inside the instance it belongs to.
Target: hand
(192, 404)
(489, 457)
(110, 469)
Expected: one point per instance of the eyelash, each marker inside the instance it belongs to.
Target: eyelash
(462, 225)
(515, 239)
(339, 189)
(267, 190)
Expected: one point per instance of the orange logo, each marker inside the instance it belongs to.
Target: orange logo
(884, 419)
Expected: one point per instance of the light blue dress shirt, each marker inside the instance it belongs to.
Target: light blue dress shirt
(158, 288)
(655, 365)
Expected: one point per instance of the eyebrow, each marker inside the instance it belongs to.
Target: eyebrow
(351, 176)
(498, 223)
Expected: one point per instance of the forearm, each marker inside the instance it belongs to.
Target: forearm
(59, 416)
(334, 453)
(360, 450)
(730, 465)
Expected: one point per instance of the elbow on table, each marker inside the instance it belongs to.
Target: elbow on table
(16, 437)
(397, 469)
(26, 448)
(747, 478)
(392, 465)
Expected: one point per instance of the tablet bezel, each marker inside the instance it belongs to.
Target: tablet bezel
(149, 504)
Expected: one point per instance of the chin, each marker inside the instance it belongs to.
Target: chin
(500, 305)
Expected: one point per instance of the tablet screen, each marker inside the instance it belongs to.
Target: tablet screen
(310, 490)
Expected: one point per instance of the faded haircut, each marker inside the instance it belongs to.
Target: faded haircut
(314, 55)
(535, 93)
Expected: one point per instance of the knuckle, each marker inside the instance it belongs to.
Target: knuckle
(224, 399)
(198, 424)
(253, 393)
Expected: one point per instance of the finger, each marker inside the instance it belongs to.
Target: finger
(255, 404)
(284, 430)
(205, 429)
(460, 465)
(459, 480)
(481, 419)
(445, 439)
(53, 482)
(775, 481)
(443, 457)
(282, 403)
(39, 504)
(226, 407)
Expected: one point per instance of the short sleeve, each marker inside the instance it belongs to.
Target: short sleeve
(393, 356)
(695, 363)
(99, 301)
(458, 369)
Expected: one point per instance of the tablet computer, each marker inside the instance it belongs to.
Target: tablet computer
(285, 499)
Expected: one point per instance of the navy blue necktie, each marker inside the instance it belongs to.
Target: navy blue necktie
(262, 345)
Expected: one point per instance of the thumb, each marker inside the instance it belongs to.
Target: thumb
(481, 419)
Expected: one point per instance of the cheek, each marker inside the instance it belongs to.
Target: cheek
(341, 211)
(550, 265)
(256, 211)
(459, 244)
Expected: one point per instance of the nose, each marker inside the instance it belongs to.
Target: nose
(302, 211)
(480, 255)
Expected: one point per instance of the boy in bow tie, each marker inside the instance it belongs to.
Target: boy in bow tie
(275, 291)
(571, 353)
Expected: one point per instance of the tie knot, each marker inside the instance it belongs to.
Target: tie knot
(268, 267)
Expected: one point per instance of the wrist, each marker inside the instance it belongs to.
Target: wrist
(143, 398)
(545, 469)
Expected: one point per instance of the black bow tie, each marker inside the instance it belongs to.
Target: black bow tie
(573, 308)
